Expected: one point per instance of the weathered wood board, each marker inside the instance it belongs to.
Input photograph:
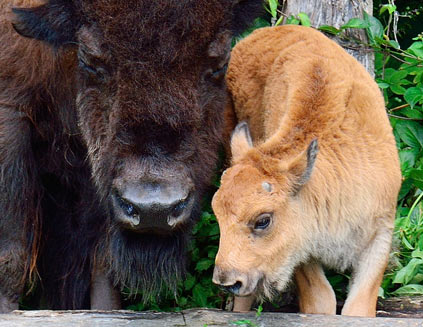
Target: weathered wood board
(194, 318)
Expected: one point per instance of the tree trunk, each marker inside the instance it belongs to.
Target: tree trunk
(336, 13)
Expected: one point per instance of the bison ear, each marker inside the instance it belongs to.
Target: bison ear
(53, 22)
(302, 166)
(244, 13)
(240, 141)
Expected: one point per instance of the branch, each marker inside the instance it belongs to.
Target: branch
(404, 118)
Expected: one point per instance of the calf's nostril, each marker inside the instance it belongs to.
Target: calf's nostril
(233, 288)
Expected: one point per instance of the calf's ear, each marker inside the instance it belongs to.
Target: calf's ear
(241, 141)
(302, 166)
(244, 13)
(54, 22)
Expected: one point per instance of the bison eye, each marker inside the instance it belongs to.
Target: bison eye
(98, 73)
(218, 74)
(92, 67)
(89, 69)
(263, 221)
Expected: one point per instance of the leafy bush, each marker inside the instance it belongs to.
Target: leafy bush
(399, 74)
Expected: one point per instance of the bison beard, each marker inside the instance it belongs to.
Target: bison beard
(131, 256)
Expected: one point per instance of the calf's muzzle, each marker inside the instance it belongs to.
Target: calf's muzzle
(234, 281)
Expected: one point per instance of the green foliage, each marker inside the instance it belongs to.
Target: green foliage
(407, 278)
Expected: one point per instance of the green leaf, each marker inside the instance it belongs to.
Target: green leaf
(381, 293)
(329, 29)
(391, 9)
(406, 187)
(410, 132)
(291, 20)
(374, 29)
(257, 23)
(397, 89)
(273, 5)
(417, 279)
(394, 44)
(417, 176)
(413, 95)
(189, 282)
(407, 159)
(397, 77)
(199, 294)
(259, 311)
(412, 289)
(204, 264)
(417, 49)
(388, 73)
(383, 85)
(402, 222)
(211, 253)
(355, 23)
(407, 243)
(418, 79)
(214, 230)
(305, 20)
(417, 253)
(407, 273)
(182, 301)
(279, 21)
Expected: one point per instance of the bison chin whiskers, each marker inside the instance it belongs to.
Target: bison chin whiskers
(146, 262)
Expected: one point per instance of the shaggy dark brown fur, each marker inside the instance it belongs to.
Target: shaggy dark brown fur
(90, 93)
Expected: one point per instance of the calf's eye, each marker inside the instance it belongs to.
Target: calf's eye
(263, 221)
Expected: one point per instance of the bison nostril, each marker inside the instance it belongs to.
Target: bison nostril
(127, 207)
(179, 208)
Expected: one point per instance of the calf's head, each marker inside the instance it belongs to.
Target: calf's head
(258, 210)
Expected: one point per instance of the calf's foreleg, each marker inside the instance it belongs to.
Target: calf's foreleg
(244, 303)
(314, 291)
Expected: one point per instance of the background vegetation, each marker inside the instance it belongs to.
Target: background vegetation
(396, 34)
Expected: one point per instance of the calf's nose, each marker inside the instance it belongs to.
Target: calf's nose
(152, 206)
(230, 281)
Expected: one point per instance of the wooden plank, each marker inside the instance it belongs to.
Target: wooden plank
(192, 318)
(90, 319)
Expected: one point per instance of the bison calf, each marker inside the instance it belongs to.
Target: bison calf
(318, 186)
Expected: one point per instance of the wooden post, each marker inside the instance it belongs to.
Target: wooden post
(336, 13)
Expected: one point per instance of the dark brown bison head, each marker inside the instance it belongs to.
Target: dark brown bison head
(149, 100)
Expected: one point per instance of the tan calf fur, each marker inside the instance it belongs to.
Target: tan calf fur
(317, 181)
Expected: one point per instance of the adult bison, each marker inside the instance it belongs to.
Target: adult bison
(110, 116)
